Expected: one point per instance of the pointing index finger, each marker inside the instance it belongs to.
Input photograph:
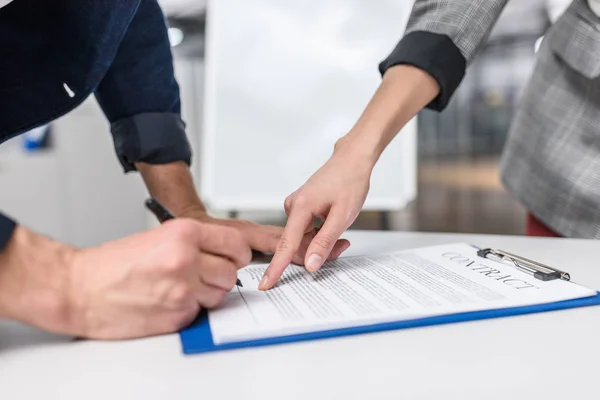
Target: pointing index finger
(288, 246)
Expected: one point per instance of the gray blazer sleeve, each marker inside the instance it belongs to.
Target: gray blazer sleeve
(442, 38)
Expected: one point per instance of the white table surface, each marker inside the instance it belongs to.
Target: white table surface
(550, 355)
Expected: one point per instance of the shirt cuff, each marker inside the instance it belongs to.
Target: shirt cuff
(437, 55)
(7, 226)
(153, 138)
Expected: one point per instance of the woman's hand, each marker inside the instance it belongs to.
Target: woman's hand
(336, 194)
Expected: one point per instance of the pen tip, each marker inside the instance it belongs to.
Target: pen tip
(239, 283)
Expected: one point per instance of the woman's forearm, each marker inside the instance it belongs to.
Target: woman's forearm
(404, 91)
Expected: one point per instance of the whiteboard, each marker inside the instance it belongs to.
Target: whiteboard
(284, 80)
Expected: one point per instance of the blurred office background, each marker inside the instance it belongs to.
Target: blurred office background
(459, 149)
(64, 180)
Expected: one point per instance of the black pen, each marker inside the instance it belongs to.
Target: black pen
(162, 214)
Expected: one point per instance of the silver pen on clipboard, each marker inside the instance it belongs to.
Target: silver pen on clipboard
(538, 270)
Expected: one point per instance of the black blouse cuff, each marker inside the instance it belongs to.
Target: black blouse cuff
(153, 138)
(7, 226)
(437, 55)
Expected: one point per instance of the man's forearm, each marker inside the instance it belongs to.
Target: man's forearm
(172, 185)
(404, 91)
(34, 279)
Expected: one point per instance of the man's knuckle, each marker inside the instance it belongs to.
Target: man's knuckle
(229, 276)
(245, 257)
(180, 293)
(234, 237)
(174, 264)
(180, 259)
(223, 236)
(232, 272)
(184, 228)
(235, 245)
(274, 239)
(276, 234)
(240, 257)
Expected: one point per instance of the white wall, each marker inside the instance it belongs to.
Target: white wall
(286, 79)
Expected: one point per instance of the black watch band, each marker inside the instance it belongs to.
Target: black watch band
(7, 226)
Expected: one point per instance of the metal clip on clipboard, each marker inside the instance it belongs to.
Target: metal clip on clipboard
(537, 270)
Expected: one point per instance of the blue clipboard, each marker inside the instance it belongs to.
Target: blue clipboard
(198, 338)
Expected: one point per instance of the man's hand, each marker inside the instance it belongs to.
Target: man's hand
(146, 284)
(172, 185)
(265, 238)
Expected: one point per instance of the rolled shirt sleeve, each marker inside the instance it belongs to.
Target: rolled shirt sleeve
(154, 138)
(140, 96)
(442, 38)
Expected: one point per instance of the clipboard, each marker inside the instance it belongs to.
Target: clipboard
(197, 338)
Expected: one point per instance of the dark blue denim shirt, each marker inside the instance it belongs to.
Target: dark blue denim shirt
(56, 53)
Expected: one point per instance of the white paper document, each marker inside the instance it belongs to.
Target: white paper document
(366, 290)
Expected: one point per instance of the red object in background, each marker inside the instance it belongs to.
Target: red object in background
(535, 227)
